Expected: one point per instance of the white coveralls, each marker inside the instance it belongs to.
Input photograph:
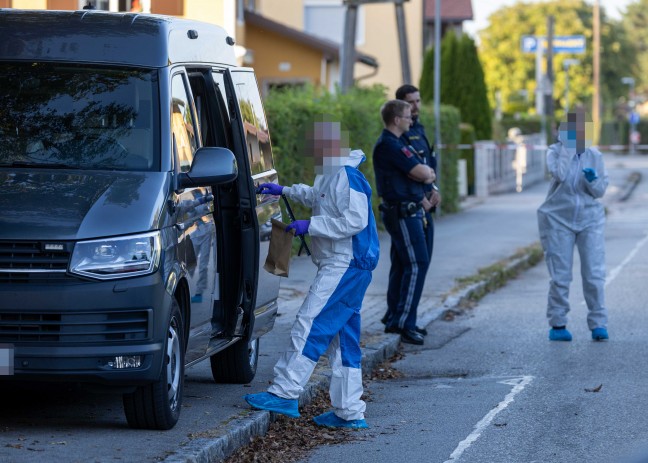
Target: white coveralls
(571, 215)
(345, 248)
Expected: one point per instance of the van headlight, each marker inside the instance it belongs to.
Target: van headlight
(121, 257)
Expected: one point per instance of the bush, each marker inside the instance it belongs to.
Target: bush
(468, 138)
(290, 111)
(447, 157)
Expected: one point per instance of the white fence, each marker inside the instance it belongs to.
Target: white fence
(510, 167)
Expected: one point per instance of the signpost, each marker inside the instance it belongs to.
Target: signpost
(561, 43)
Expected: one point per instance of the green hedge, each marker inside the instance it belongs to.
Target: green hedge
(468, 138)
(290, 111)
(450, 135)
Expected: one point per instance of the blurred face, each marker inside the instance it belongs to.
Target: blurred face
(575, 133)
(414, 99)
(329, 147)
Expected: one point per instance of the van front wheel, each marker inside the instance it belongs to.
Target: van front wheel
(157, 405)
(237, 364)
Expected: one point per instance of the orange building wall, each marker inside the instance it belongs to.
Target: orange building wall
(271, 49)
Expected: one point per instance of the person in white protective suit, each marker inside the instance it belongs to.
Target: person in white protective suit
(345, 248)
(572, 216)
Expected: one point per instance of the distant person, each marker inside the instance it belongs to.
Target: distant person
(402, 181)
(345, 248)
(571, 216)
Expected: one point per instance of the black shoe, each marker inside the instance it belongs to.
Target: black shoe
(420, 330)
(384, 320)
(392, 329)
(411, 337)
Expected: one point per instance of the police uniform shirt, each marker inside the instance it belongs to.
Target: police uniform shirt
(416, 137)
(393, 159)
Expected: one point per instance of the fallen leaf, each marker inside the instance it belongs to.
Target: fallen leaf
(596, 389)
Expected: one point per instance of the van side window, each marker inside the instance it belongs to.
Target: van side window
(182, 124)
(257, 135)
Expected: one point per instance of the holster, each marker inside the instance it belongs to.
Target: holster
(400, 210)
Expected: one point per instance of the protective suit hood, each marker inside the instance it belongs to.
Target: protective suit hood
(356, 157)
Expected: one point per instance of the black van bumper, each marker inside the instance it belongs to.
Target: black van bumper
(84, 330)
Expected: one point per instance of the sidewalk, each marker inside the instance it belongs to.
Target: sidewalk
(485, 232)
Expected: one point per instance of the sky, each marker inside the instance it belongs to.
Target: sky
(482, 9)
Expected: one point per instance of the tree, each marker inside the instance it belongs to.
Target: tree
(462, 82)
(509, 70)
(635, 25)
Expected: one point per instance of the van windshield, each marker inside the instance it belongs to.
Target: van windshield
(67, 116)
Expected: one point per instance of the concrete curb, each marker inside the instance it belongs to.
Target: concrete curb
(240, 431)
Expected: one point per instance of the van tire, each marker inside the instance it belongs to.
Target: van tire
(237, 364)
(153, 406)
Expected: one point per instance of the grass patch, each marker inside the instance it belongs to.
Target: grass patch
(495, 276)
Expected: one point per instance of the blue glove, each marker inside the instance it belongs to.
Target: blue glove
(590, 174)
(269, 189)
(300, 227)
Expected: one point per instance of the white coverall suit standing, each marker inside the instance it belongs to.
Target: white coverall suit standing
(345, 248)
(571, 215)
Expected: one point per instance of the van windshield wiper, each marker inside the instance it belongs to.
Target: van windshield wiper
(45, 165)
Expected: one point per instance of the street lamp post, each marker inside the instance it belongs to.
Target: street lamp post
(632, 117)
(566, 64)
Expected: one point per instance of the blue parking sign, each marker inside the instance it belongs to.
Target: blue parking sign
(633, 118)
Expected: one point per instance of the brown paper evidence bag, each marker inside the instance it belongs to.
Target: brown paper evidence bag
(280, 249)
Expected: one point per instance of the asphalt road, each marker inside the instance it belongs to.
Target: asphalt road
(467, 360)
(492, 388)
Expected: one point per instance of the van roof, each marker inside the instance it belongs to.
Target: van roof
(95, 36)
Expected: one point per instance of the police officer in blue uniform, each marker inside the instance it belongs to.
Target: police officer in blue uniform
(417, 139)
(402, 180)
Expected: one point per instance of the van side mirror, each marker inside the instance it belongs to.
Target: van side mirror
(210, 166)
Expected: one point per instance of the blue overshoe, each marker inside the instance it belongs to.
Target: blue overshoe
(600, 334)
(559, 335)
(331, 420)
(273, 403)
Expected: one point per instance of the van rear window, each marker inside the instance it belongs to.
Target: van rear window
(78, 117)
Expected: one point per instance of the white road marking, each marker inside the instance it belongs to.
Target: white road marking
(518, 385)
(617, 270)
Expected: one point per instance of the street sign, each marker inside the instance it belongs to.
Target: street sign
(633, 118)
(561, 43)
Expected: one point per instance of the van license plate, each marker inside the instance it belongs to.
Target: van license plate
(6, 359)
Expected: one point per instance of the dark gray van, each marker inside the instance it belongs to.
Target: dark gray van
(131, 237)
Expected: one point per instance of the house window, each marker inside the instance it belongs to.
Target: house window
(98, 4)
(325, 18)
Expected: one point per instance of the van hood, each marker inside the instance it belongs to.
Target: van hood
(74, 205)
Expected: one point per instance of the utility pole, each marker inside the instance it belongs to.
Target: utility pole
(549, 101)
(596, 105)
(437, 90)
(402, 41)
(347, 49)
(347, 54)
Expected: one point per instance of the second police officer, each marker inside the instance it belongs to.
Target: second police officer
(403, 180)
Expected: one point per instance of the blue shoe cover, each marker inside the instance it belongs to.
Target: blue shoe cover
(197, 298)
(600, 334)
(331, 420)
(559, 335)
(273, 403)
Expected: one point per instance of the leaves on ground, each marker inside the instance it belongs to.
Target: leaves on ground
(594, 389)
(291, 439)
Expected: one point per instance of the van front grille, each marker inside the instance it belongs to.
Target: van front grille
(74, 327)
(29, 261)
